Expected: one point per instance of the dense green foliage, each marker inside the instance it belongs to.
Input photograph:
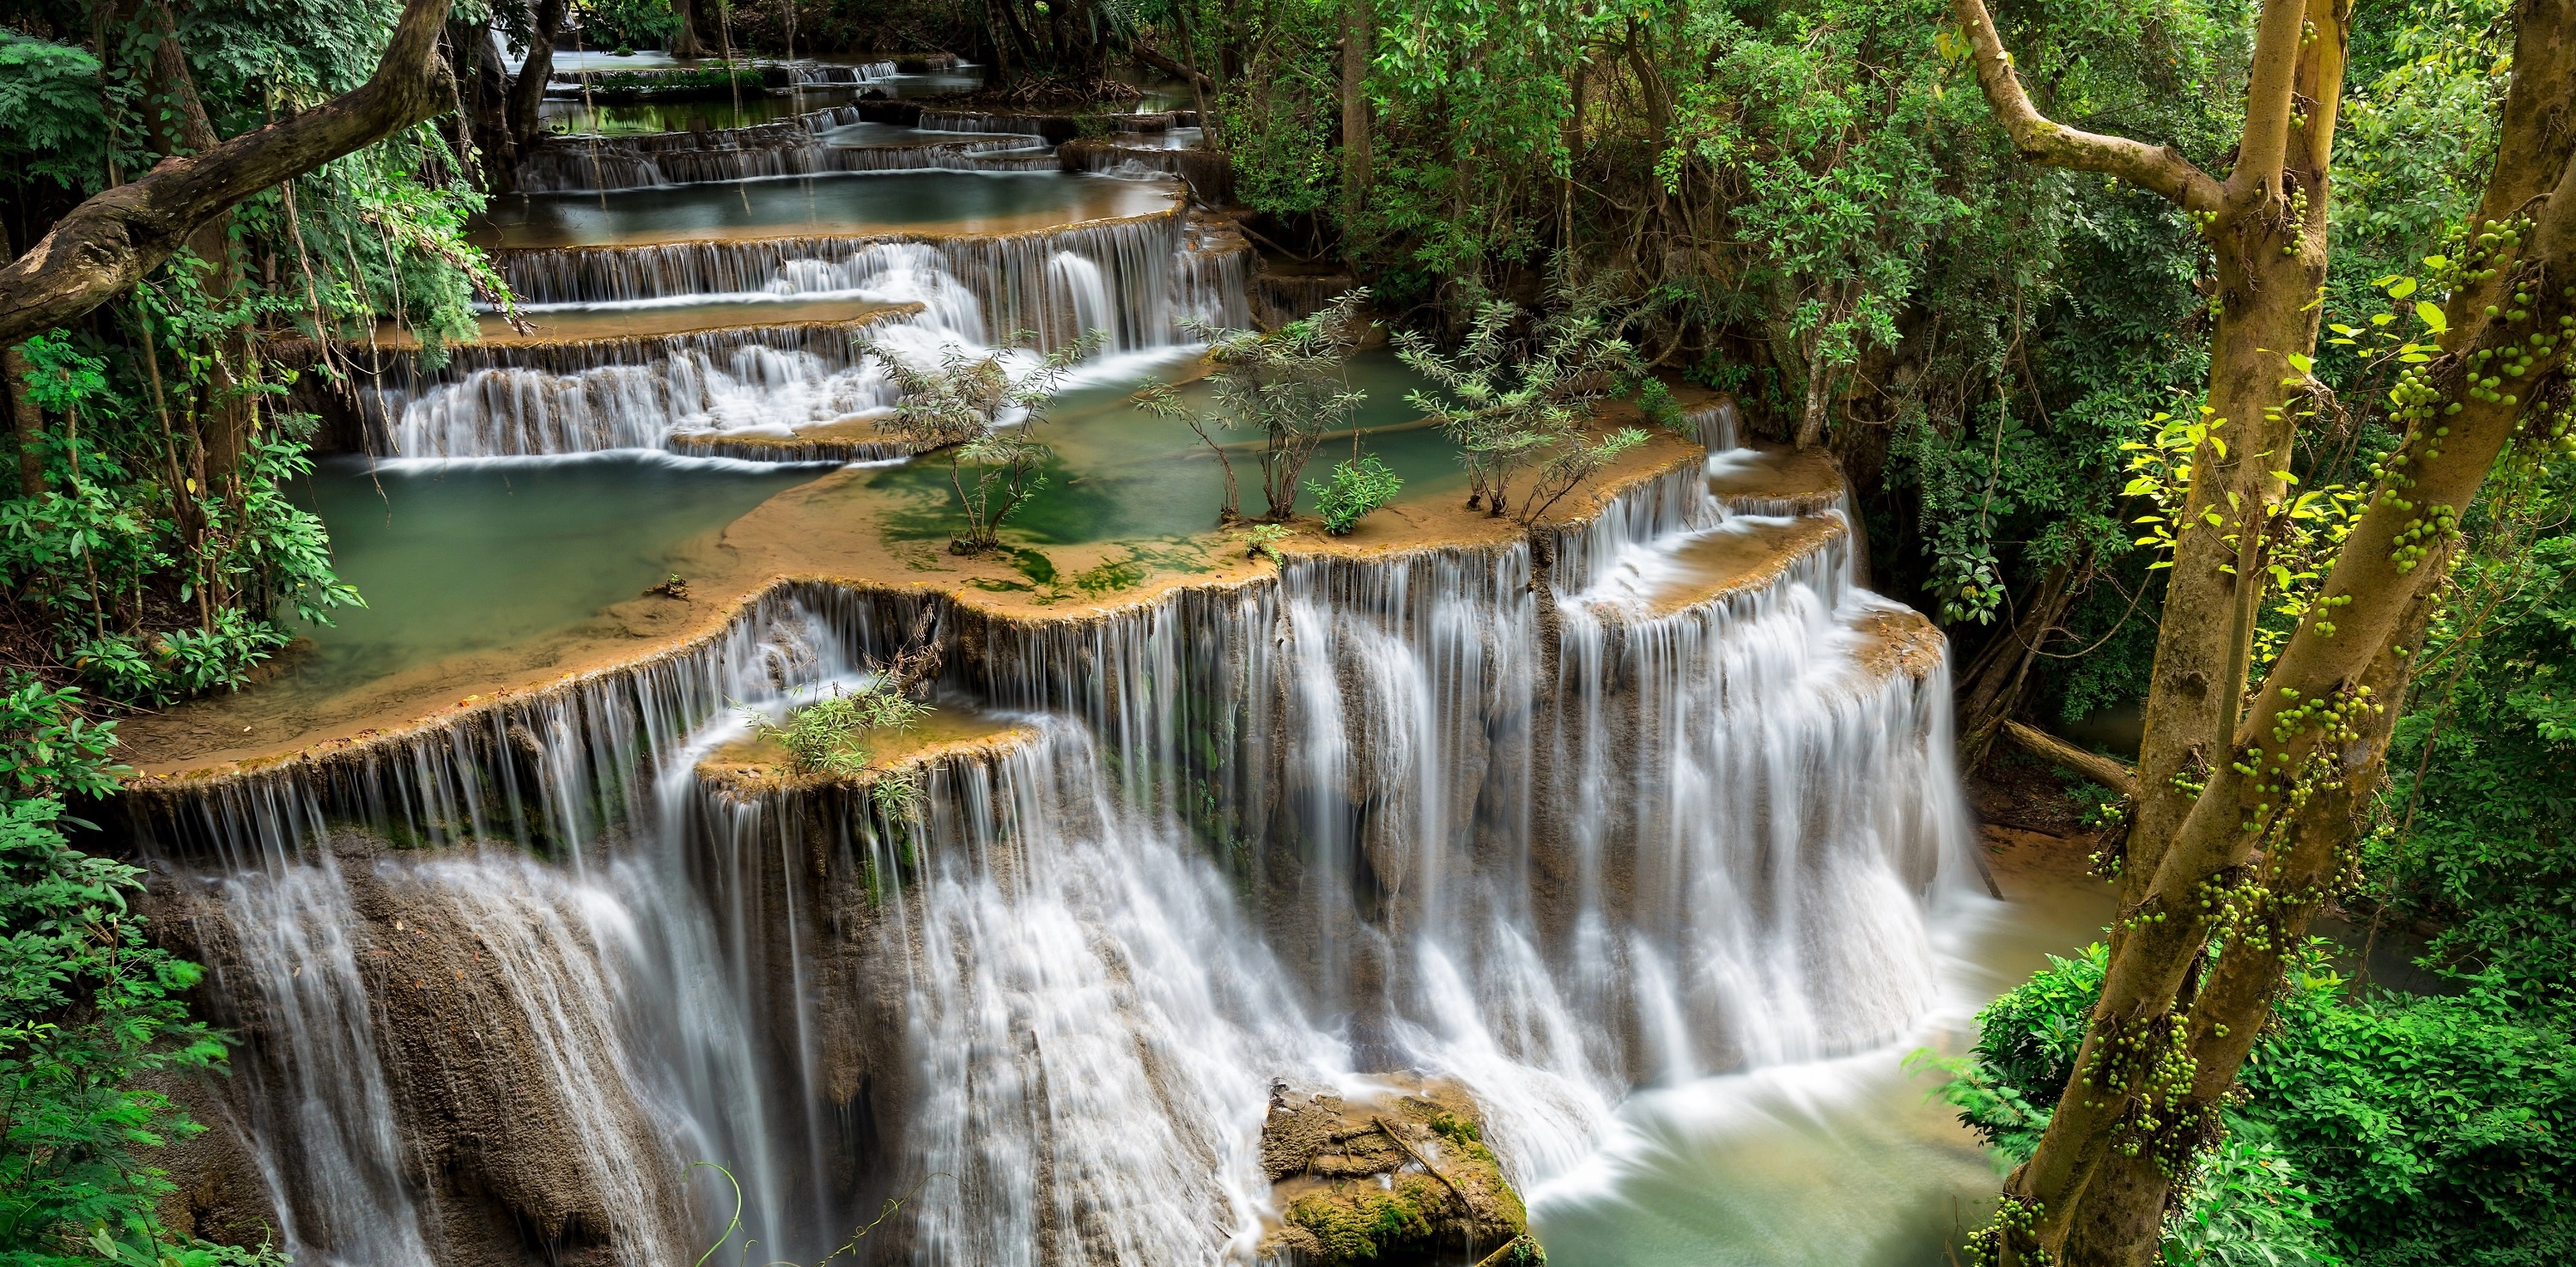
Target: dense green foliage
(625, 25)
(90, 1013)
(147, 547)
(2478, 823)
(2418, 1130)
(1522, 410)
(92, 1023)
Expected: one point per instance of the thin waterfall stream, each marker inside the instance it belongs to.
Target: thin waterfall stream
(1636, 831)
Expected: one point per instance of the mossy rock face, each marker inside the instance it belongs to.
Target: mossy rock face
(1397, 1180)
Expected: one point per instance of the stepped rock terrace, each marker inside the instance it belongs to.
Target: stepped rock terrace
(840, 203)
(521, 904)
(854, 526)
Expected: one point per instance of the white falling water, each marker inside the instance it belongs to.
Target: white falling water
(1531, 825)
(1077, 287)
(1096, 1025)
(331, 1149)
(756, 391)
(1133, 283)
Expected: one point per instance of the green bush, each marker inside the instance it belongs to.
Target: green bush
(2434, 1130)
(88, 1007)
(2416, 1130)
(1357, 487)
(829, 736)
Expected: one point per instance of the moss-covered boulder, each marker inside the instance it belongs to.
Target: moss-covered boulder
(1397, 1179)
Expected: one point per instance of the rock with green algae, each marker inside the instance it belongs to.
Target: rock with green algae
(1397, 1179)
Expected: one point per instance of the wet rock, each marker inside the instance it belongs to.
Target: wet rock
(1397, 1178)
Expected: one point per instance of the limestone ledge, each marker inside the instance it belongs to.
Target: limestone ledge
(754, 769)
(769, 551)
(1775, 479)
(621, 327)
(192, 749)
(1899, 640)
(1028, 226)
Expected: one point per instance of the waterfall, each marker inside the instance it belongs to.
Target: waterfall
(1028, 125)
(1653, 797)
(1076, 286)
(667, 391)
(749, 390)
(1008, 274)
(1085, 1003)
(746, 391)
(821, 74)
(319, 1090)
(801, 146)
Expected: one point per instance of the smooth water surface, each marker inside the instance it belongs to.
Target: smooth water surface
(479, 555)
(1119, 474)
(1834, 1163)
(850, 204)
(463, 557)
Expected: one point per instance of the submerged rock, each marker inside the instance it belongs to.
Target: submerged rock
(1399, 1178)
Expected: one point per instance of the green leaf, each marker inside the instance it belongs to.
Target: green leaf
(2432, 317)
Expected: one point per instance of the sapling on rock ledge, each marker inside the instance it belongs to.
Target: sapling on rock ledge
(986, 418)
(1358, 486)
(1512, 406)
(1291, 387)
(830, 737)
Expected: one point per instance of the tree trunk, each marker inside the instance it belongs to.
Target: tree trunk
(27, 422)
(528, 90)
(1995, 683)
(684, 41)
(1820, 379)
(111, 241)
(225, 415)
(2272, 822)
(2111, 774)
(483, 87)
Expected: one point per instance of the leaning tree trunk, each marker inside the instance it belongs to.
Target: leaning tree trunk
(2244, 820)
(1996, 682)
(528, 91)
(108, 243)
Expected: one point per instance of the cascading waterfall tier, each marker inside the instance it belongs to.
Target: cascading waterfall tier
(1015, 278)
(799, 146)
(1619, 804)
(744, 388)
(799, 390)
(828, 73)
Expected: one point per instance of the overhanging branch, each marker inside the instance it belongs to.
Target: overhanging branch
(2160, 168)
(111, 241)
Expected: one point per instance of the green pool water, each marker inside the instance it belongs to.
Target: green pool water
(843, 204)
(465, 558)
(1839, 1163)
(1118, 474)
(477, 557)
